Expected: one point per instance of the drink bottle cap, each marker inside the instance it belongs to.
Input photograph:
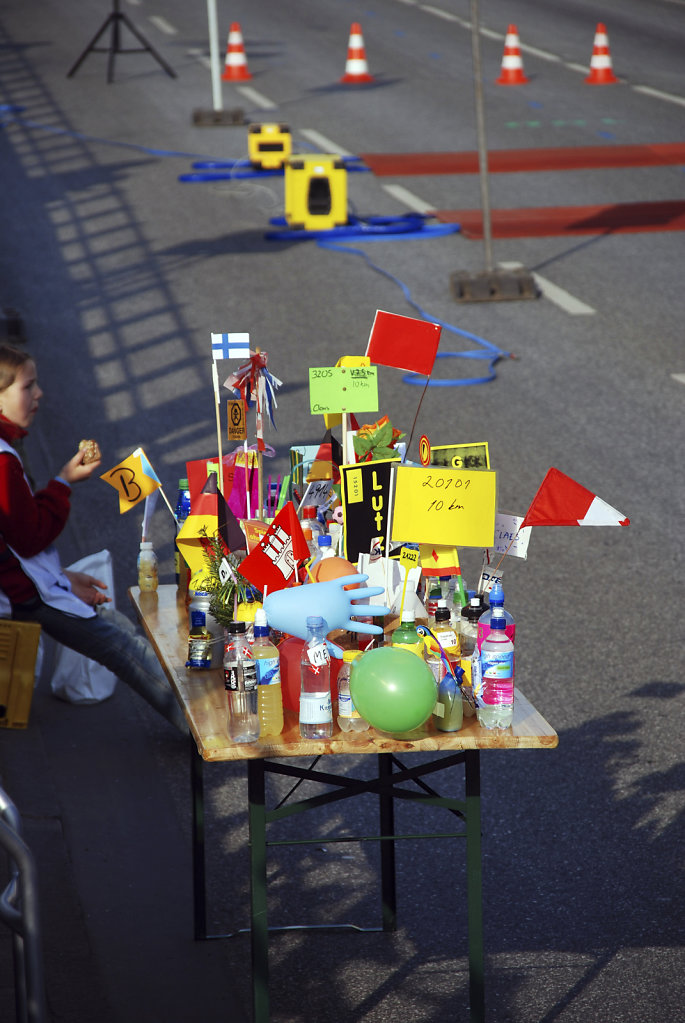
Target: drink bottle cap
(497, 595)
(260, 618)
(261, 630)
(146, 545)
(235, 628)
(497, 621)
(314, 621)
(408, 615)
(442, 614)
(183, 484)
(324, 540)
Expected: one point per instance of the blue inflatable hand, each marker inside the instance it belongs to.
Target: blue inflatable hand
(287, 610)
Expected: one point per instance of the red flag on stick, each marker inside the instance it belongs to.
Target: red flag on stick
(273, 562)
(403, 342)
(560, 501)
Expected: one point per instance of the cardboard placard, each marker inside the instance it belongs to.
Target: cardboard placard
(461, 456)
(453, 507)
(365, 490)
(343, 389)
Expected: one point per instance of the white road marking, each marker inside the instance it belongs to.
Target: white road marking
(542, 54)
(658, 94)
(163, 25)
(201, 57)
(569, 303)
(325, 145)
(583, 69)
(438, 12)
(680, 377)
(256, 97)
(407, 198)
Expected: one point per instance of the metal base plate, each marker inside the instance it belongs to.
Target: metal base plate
(493, 285)
(218, 118)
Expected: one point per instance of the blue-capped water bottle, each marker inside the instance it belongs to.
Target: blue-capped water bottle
(182, 511)
(494, 688)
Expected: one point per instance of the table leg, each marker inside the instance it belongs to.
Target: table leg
(474, 892)
(256, 794)
(199, 876)
(387, 822)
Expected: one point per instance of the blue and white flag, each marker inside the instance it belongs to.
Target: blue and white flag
(230, 346)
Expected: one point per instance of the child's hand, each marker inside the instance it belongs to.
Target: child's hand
(74, 471)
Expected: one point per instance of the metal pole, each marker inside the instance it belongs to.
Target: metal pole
(482, 143)
(214, 54)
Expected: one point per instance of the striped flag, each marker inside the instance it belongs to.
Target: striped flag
(230, 346)
(560, 501)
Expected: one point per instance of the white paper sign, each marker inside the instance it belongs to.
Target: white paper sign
(387, 571)
(506, 527)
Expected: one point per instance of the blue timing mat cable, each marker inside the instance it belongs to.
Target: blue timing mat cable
(409, 227)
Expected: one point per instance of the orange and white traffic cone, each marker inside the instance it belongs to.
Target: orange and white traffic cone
(356, 68)
(512, 65)
(601, 72)
(235, 66)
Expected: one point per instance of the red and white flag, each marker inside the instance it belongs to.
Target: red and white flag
(560, 501)
(273, 562)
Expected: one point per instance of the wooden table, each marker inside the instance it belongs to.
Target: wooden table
(203, 698)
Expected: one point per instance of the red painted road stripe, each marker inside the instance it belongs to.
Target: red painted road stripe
(622, 218)
(512, 160)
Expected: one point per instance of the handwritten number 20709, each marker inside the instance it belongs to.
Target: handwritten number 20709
(443, 483)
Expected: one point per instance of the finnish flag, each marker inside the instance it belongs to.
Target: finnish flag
(230, 346)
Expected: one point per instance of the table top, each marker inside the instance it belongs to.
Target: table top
(164, 617)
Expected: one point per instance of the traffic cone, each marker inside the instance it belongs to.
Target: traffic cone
(356, 68)
(235, 67)
(600, 65)
(512, 64)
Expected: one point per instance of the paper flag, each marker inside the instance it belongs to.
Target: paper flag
(438, 559)
(403, 342)
(230, 346)
(560, 501)
(273, 562)
(134, 479)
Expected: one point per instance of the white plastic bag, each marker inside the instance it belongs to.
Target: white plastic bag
(76, 678)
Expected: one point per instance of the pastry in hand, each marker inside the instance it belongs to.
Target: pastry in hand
(92, 450)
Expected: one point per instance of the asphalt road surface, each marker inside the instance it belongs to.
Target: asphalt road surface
(120, 272)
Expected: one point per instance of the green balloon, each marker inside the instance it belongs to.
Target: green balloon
(393, 689)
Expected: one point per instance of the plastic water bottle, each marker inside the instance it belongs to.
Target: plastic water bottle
(484, 622)
(349, 718)
(310, 518)
(496, 683)
(405, 635)
(268, 666)
(316, 709)
(205, 640)
(148, 578)
(240, 679)
(182, 513)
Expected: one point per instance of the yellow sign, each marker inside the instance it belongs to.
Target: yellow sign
(453, 507)
(460, 456)
(237, 422)
(409, 557)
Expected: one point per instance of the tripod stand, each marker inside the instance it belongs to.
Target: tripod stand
(115, 20)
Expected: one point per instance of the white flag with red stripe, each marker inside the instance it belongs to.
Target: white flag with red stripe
(560, 501)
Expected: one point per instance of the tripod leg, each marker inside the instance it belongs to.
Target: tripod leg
(146, 45)
(91, 45)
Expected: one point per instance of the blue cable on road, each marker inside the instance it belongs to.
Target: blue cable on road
(408, 227)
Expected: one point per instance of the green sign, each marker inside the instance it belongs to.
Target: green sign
(343, 389)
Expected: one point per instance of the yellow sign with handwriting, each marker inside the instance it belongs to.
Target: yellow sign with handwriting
(454, 507)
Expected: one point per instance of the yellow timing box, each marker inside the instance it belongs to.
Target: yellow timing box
(269, 145)
(315, 192)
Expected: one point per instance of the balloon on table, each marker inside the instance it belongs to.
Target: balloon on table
(393, 689)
